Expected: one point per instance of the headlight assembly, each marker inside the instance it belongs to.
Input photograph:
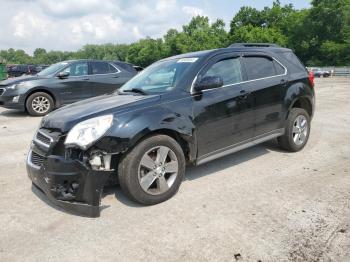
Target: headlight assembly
(88, 131)
(12, 87)
(16, 86)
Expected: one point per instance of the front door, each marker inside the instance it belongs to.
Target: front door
(75, 86)
(223, 116)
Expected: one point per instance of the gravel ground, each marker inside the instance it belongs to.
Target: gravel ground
(260, 204)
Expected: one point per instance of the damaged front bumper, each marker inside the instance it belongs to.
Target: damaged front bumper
(68, 183)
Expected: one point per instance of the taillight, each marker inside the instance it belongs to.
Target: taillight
(311, 78)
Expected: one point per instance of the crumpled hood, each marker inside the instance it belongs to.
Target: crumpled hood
(68, 116)
(20, 79)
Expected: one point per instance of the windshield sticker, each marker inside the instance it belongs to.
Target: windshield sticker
(188, 60)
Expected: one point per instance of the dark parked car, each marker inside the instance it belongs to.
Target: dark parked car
(318, 72)
(20, 70)
(187, 109)
(64, 83)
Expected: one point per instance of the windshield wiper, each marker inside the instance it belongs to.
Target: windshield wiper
(135, 90)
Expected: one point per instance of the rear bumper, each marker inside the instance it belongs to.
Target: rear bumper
(68, 184)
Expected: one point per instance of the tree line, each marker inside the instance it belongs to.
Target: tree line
(319, 35)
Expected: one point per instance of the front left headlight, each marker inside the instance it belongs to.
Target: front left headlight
(88, 131)
(12, 87)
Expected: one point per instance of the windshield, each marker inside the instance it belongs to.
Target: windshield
(160, 77)
(52, 69)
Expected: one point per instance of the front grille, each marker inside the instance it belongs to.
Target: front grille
(37, 159)
(41, 137)
(2, 90)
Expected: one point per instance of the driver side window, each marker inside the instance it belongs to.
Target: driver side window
(77, 69)
(228, 69)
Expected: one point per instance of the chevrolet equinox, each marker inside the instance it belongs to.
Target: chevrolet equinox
(63, 83)
(186, 109)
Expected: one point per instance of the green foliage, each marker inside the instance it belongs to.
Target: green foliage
(253, 34)
(146, 51)
(319, 35)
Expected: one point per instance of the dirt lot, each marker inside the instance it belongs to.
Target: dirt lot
(261, 204)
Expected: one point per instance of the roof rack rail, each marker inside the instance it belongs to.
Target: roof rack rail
(253, 45)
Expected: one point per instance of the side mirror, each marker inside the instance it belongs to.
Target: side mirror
(63, 75)
(209, 82)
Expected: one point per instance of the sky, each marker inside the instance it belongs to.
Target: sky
(67, 25)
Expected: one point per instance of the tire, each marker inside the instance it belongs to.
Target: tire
(136, 179)
(39, 104)
(290, 140)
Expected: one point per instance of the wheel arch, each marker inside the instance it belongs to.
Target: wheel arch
(304, 103)
(119, 146)
(43, 90)
(184, 141)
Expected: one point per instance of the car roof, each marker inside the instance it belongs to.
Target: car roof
(238, 47)
(92, 60)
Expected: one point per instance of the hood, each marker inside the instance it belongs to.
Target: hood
(20, 79)
(68, 116)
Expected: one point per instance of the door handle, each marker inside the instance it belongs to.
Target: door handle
(85, 79)
(284, 82)
(244, 94)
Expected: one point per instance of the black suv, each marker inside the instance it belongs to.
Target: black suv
(187, 109)
(64, 83)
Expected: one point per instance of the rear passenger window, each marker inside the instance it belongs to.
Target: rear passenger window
(259, 67)
(228, 69)
(102, 68)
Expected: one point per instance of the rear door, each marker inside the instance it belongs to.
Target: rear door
(223, 116)
(105, 77)
(268, 82)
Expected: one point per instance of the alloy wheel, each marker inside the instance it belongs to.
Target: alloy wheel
(158, 170)
(41, 104)
(300, 130)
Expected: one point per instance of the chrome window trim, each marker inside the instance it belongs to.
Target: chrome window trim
(242, 82)
(118, 71)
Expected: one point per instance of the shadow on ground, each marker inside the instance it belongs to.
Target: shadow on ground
(210, 168)
(14, 113)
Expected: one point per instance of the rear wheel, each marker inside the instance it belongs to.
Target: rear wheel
(39, 104)
(153, 170)
(297, 130)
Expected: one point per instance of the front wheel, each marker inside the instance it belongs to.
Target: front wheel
(39, 104)
(297, 130)
(153, 170)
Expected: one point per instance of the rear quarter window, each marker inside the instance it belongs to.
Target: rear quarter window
(294, 64)
(279, 68)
